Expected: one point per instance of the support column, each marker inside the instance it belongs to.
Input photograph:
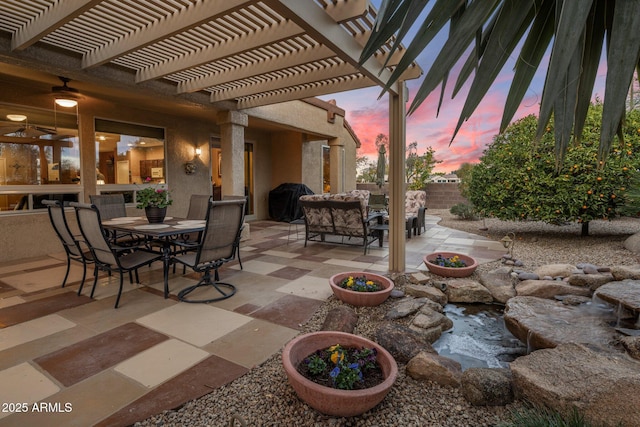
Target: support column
(88, 155)
(232, 124)
(397, 185)
(336, 172)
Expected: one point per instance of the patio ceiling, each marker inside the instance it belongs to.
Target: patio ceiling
(227, 54)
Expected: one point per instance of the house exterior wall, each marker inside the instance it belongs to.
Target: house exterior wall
(280, 155)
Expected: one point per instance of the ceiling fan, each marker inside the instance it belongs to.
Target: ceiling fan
(19, 126)
(64, 95)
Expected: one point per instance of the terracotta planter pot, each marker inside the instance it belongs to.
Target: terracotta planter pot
(361, 298)
(472, 264)
(331, 401)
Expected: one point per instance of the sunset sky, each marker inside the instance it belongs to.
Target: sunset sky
(369, 117)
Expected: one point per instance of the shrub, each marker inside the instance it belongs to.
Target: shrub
(464, 211)
(517, 179)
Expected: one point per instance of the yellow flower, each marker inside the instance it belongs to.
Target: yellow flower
(370, 282)
(337, 356)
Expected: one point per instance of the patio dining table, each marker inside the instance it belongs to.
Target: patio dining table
(162, 234)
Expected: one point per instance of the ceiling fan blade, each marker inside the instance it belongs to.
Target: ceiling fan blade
(6, 130)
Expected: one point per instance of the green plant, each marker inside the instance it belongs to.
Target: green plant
(153, 197)
(451, 262)
(360, 284)
(345, 368)
(464, 211)
(516, 178)
(531, 416)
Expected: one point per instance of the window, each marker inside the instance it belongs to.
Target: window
(38, 148)
(128, 154)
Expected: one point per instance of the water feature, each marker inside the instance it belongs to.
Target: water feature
(479, 337)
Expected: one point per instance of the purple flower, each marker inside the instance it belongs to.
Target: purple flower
(335, 372)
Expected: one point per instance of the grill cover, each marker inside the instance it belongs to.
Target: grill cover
(283, 201)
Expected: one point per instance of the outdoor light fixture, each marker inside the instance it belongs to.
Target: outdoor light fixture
(16, 117)
(508, 241)
(66, 102)
(198, 152)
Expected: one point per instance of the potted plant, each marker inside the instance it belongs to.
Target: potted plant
(450, 264)
(154, 200)
(361, 288)
(335, 346)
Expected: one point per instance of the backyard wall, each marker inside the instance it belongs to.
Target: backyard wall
(439, 195)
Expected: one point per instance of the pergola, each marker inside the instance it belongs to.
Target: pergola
(228, 55)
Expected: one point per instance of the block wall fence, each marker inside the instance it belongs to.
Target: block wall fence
(439, 195)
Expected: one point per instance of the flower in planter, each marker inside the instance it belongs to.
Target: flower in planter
(360, 284)
(452, 262)
(153, 196)
(345, 368)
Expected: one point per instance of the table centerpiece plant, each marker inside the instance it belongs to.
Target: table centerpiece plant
(154, 200)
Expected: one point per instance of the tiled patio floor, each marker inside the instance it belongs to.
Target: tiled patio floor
(94, 365)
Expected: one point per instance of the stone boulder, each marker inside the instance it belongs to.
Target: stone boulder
(430, 324)
(625, 294)
(623, 272)
(341, 318)
(431, 367)
(499, 284)
(591, 281)
(544, 323)
(401, 342)
(555, 270)
(487, 386)
(405, 307)
(549, 289)
(632, 346)
(603, 386)
(426, 291)
(467, 291)
(632, 243)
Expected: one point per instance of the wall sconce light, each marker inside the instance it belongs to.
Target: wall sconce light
(198, 152)
(508, 241)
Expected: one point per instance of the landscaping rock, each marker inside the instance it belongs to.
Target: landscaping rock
(342, 318)
(499, 283)
(555, 270)
(544, 323)
(426, 291)
(591, 281)
(431, 367)
(549, 289)
(525, 275)
(487, 386)
(430, 335)
(401, 342)
(405, 307)
(427, 318)
(467, 291)
(632, 346)
(632, 243)
(623, 272)
(625, 294)
(603, 386)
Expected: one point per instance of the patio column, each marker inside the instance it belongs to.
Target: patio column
(336, 155)
(232, 124)
(397, 185)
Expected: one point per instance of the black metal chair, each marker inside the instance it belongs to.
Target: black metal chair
(72, 244)
(109, 257)
(218, 245)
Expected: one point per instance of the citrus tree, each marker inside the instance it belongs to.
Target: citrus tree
(516, 178)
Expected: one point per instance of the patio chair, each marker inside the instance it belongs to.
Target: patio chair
(113, 206)
(218, 245)
(107, 256)
(72, 244)
(198, 205)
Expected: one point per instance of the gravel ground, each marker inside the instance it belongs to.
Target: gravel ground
(263, 397)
